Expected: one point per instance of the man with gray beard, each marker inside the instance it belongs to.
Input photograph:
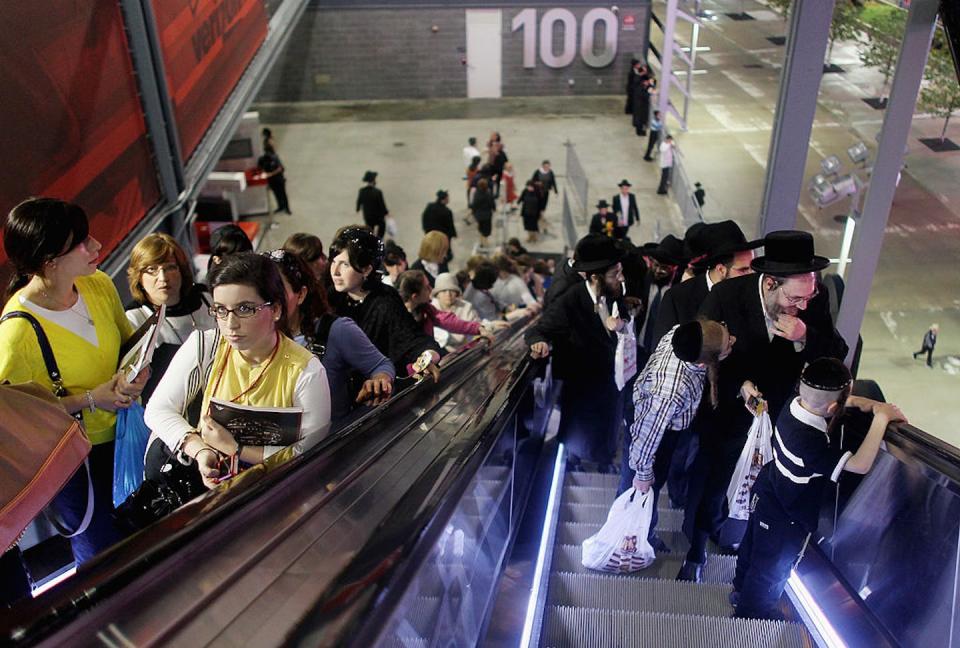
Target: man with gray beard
(781, 320)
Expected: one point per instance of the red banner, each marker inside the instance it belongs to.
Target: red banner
(207, 44)
(72, 121)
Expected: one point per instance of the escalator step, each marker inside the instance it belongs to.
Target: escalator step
(719, 569)
(595, 480)
(573, 627)
(576, 532)
(611, 592)
(669, 519)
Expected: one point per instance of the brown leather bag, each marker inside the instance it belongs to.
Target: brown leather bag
(41, 446)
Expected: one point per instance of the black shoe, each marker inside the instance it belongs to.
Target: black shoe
(647, 158)
(734, 598)
(914, 356)
(729, 550)
(662, 193)
(690, 571)
(658, 545)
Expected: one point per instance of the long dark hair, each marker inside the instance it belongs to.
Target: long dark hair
(37, 231)
(299, 275)
(256, 271)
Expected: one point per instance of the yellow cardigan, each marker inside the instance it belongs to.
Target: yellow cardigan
(82, 365)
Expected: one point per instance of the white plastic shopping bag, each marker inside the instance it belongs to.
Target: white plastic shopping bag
(621, 543)
(391, 230)
(757, 451)
(625, 360)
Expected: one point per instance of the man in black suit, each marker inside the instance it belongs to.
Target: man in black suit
(370, 199)
(438, 217)
(625, 209)
(724, 252)
(781, 321)
(579, 331)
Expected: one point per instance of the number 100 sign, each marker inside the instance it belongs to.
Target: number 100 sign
(527, 21)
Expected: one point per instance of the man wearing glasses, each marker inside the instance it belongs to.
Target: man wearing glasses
(781, 322)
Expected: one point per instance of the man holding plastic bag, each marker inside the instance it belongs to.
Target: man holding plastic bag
(666, 396)
(789, 489)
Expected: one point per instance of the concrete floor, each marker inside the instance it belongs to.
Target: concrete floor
(416, 147)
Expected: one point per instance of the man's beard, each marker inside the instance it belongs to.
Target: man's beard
(612, 292)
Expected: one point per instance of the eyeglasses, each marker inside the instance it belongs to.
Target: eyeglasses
(154, 270)
(243, 311)
(796, 301)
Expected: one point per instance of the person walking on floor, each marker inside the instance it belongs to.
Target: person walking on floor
(929, 342)
(272, 170)
(438, 217)
(483, 206)
(625, 209)
(667, 151)
(370, 200)
(656, 127)
(529, 202)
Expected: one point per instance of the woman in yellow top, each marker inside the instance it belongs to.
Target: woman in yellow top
(57, 281)
(248, 360)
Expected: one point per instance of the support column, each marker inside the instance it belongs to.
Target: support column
(883, 182)
(796, 108)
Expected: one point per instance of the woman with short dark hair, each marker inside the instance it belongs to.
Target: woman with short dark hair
(56, 281)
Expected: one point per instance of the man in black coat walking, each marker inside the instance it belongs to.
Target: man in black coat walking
(929, 342)
(579, 331)
(370, 200)
(781, 321)
(438, 217)
(625, 209)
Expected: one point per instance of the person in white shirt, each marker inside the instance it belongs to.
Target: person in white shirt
(667, 150)
(509, 289)
(470, 151)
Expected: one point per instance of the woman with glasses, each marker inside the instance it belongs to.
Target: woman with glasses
(358, 293)
(57, 282)
(356, 370)
(249, 360)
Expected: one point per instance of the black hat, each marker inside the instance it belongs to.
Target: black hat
(687, 341)
(726, 237)
(669, 250)
(596, 252)
(826, 374)
(788, 252)
(442, 193)
(369, 176)
(603, 203)
(624, 183)
(696, 243)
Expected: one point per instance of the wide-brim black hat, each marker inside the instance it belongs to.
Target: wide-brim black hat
(596, 252)
(669, 251)
(442, 193)
(369, 176)
(788, 252)
(603, 203)
(726, 238)
(624, 183)
(696, 241)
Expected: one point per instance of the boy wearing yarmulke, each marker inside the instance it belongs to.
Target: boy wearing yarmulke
(789, 489)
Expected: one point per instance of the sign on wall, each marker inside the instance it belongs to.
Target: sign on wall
(539, 29)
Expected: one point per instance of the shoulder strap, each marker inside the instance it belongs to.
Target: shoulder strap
(45, 350)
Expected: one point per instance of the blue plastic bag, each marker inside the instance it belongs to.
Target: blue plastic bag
(128, 452)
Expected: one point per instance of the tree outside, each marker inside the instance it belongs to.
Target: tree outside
(940, 93)
(845, 24)
(885, 30)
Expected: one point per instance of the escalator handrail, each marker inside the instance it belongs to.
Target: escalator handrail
(362, 607)
(927, 449)
(110, 571)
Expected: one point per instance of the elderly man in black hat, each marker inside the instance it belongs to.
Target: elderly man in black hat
(438, 217)
(579, 329)
(625, 209)
(370, 200)
(781, 321)
(603, 222)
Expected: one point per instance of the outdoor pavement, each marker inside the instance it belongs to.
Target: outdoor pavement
(416, 147)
